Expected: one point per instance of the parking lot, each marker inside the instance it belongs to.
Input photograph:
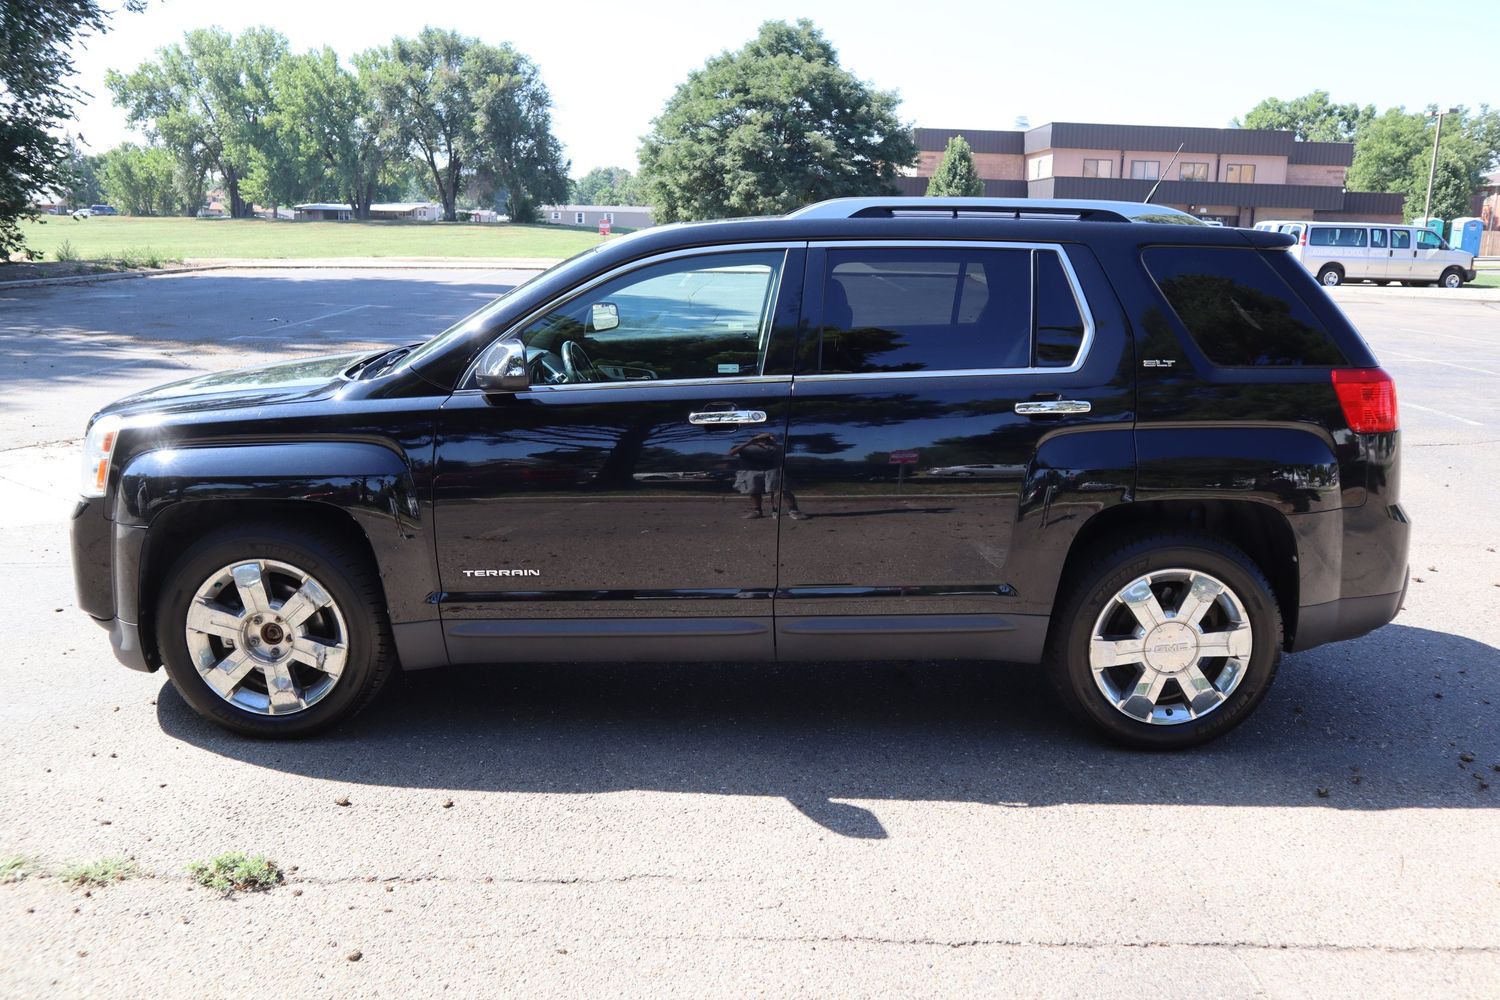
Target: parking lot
(642, 829)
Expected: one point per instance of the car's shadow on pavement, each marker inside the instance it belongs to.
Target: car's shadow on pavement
(1380, 723)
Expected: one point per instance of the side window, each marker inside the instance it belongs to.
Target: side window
(1377, 239)
(1059, 322)
(1400, 239)
(904, 310)
(693, 318)
(1428, 240)
(1237, 309)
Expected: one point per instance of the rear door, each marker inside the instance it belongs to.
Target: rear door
(929, 376)
(1380, 255)
(1403, 255)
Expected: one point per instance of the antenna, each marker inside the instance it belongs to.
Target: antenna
(1152, 193)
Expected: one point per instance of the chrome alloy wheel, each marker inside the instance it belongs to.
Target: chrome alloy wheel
(1167, 667)
(266, 637)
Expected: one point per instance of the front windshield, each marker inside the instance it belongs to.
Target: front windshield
(478, 319)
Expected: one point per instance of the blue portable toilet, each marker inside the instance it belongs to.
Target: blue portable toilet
(1466, 233)
(1436, 225)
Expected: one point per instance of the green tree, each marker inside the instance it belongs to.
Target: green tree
(956, 176)
(770, 127)
(476, 114)
(607, 186)
(1313, 117)
(83, 177)
(140, 180)
(1394, 154)
(329, 115)
(37, 42)
(209, 100)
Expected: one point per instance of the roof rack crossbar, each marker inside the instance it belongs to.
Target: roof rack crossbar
(999, 208)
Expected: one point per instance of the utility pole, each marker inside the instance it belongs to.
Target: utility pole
(1432, 169)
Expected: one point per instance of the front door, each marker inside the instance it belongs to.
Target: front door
(1430, 257)
(625, 494)
(915, 446)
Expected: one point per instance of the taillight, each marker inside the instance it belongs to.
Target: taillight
(1368, 397)
(1303, 241)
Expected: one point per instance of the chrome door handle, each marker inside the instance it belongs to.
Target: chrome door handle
(711, 417)
(1051, 407)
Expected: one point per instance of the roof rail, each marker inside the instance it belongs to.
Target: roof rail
(1013, 208)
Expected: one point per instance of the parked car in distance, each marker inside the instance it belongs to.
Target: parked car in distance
(103, 210)
(1336, 252)
(691, 443)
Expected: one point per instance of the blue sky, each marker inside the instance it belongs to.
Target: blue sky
(610, 66)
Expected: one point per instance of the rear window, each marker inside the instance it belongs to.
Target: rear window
(1237, 309)
(1337, 236)
(947, 309)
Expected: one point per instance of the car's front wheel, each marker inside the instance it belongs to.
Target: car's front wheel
(1167, 641)
(273, 631)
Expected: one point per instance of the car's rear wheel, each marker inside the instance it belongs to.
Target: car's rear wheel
(1452, 278)
(1331, 275)
(273, 631)
(1166, 642)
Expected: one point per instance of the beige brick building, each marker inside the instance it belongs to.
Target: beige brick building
(1234, 176)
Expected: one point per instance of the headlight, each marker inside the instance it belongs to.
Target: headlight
(98, 449)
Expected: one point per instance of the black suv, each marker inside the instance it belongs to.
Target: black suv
(1146, 452)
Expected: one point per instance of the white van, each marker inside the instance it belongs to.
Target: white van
(1362, 251)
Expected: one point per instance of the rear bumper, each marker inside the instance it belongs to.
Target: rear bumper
(1346, 618)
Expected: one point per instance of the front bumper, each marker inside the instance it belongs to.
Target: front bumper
(1471, 274)
(106, 577)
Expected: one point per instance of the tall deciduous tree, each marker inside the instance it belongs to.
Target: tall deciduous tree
(1313, 117)
(1394, 154)
(956, 176)
(209, 100)
(329, 113)
(473, 112)
(37, 41)
(140, 180)
(607, 186)
(775, 125)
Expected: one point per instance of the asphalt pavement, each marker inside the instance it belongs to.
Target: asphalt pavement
(712, 829)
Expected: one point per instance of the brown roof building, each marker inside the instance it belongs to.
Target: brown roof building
(1231, 175)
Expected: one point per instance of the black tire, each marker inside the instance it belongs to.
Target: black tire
(1105, 574)
(1331, 275)
(348, 578)
(1452, 278)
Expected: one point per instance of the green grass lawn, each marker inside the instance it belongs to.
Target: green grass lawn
(109, 237)
(1487, 279)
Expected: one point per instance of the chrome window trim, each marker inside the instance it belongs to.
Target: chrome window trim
(465, 384)
(664, 383)
(1084, 346)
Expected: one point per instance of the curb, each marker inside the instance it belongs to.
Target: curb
(88, 279)
(1352, 293)
(310, 264)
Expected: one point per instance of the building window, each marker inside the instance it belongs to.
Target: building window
(556, 216)
(1193, 172)
(1145, 170)
(1240, 173)
(578, 218)
(608, 217)
(1098, 168)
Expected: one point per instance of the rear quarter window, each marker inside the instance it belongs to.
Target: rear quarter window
(1237, 309)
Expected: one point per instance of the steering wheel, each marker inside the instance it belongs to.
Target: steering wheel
(577, 365)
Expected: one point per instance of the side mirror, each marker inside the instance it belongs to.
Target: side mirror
(502, 368)
(604, 316)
